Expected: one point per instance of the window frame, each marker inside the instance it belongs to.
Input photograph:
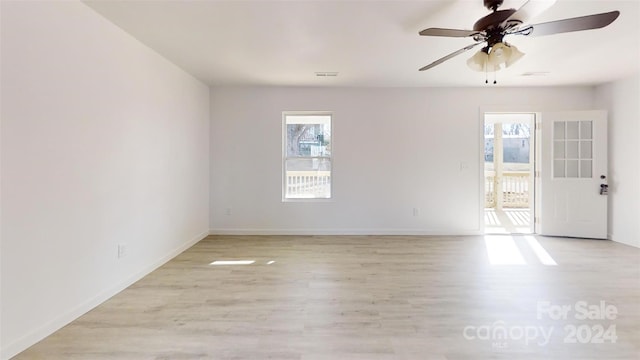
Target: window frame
(285, 114)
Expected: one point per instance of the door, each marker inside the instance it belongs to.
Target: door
(508, 172)
(573, 167)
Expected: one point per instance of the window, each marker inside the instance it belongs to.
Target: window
(307, 155)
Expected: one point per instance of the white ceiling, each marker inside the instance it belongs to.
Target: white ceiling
(370, 43)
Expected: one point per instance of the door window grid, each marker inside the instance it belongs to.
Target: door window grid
(573, 149)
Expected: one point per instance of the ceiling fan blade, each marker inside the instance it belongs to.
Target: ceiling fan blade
(447, 32)
(453, 54)
(588, 22)
(530, 10)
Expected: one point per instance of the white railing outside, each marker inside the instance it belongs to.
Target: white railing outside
(515, 189)
(308, 184)
(489, 190)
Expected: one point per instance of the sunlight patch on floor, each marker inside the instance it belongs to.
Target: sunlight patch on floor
(502, 250)
(510, 250)
(540, 252)
(233, 262)
(239, 262)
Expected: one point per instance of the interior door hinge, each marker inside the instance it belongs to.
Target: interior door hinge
(536, 220)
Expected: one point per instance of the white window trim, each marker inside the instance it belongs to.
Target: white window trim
(283, 172)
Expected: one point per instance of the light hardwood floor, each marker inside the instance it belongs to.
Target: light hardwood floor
(369, 297)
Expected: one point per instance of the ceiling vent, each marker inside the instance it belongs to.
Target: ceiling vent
(535, 73)
(326, 73)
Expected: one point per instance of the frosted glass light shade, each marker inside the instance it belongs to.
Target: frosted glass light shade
(515, 56)
(499, 54)
(478, 62)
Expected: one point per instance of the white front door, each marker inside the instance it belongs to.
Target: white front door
(573, 167)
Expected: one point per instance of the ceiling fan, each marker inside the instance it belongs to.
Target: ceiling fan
(492, 29)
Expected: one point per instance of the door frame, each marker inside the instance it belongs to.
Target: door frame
(535, 133)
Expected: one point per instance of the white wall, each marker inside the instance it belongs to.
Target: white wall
(394, 149)
(103, 142)
(620, 98)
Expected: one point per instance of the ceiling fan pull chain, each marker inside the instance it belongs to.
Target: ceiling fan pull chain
(486, 74)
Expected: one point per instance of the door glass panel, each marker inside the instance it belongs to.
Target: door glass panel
(572, 168)
(585, 130)
(572, 129)
(558, 130)
(586, 151)
(558, 149)
(585, 169)
(572, 149)
(558, 168)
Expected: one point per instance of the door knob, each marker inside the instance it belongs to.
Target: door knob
(604, 189)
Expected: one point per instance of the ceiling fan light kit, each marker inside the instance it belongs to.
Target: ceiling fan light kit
(491, 30)
(500, 56)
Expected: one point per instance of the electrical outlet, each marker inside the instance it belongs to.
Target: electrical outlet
(227, 211)
(416, 211)
(122, 250)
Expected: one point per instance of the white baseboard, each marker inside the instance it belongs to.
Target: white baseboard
(382, 232)
(47, 329)
(624, 241)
